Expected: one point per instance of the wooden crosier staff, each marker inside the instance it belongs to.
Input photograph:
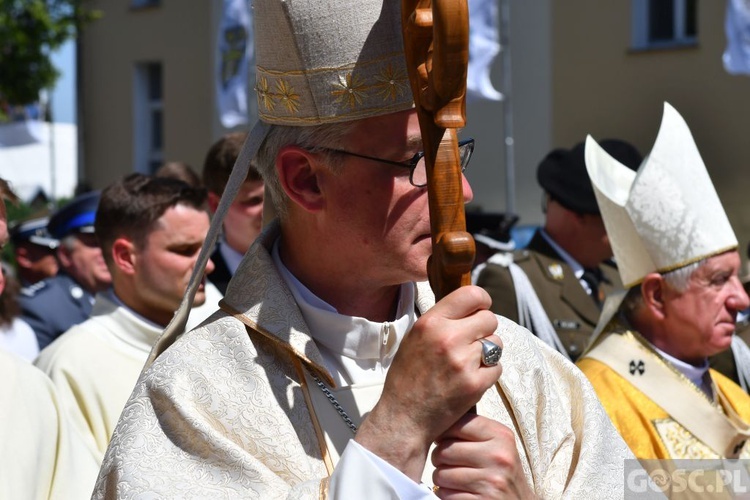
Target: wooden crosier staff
(436, 45)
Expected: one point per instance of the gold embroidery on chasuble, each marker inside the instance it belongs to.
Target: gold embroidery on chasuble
(679, 442)
(659, 411)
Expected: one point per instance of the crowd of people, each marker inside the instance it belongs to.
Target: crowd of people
(102, 276)
(315, 361)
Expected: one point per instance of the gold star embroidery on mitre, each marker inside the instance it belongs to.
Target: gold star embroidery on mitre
(264, 96)
(392, 82)
(350, 90)
(287, 96)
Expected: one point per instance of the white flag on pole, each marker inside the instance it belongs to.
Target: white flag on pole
(737, 54)
(235, 48)
(484, 45)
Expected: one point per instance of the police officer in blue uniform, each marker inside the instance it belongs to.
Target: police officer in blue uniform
(34, 250)
(53, 305)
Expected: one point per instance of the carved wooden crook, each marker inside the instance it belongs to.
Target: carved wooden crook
(436, 45)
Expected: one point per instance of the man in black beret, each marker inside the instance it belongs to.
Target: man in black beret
(556, 286)
(53, 305)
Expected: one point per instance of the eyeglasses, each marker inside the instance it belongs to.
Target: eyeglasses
(416, 164)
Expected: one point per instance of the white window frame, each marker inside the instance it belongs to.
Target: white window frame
(640, 27)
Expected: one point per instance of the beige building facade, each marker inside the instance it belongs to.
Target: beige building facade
(578, 67)
(147, 86)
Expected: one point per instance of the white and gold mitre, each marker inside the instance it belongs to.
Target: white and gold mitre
(322, 61)
(665, 216)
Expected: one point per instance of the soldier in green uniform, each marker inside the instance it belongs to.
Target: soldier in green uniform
(557, 284)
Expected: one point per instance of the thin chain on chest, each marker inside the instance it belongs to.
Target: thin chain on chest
(332, 399)
(337, 406)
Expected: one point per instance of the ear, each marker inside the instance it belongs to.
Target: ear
(300, 175)
(22, 257)
(213, 201)
(580, 218)
(653, 289)
(124, 256)
(63, 255)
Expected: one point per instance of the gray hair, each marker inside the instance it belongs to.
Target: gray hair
(315, 139)
(69, 242)
(678, 279)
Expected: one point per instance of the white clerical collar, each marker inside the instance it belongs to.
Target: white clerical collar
(570, 261)
(112, 296)
(696, 374)
(355, 349)
(232, 257)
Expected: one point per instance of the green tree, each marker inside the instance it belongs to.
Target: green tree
(29, 31)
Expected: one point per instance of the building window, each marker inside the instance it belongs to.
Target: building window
(139, 4)
(148, 118)
(664, 23)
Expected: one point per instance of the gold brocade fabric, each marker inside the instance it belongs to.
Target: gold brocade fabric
(649, 431)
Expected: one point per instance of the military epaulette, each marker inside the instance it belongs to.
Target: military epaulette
(521, 255)
(32, 290)
(504, 259)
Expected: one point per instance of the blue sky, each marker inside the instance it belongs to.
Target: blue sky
(63, 97)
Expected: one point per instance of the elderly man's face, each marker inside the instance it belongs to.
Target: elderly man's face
(82, 258)
(701, 320)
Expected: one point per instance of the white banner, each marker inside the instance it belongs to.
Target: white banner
(23, 125)
(235, 48)
(41, 157)
(737, 54)
(484, 45)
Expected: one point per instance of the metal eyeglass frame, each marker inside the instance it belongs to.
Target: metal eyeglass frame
(465, 150)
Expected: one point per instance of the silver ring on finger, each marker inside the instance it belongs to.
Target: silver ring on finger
(491, 353)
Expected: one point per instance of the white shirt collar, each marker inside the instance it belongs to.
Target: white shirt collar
(112, 296)
(696, 374)
(570, 261)
(355, 349)
(231, 256)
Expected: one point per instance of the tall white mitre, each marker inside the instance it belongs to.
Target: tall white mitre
(665, 216)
